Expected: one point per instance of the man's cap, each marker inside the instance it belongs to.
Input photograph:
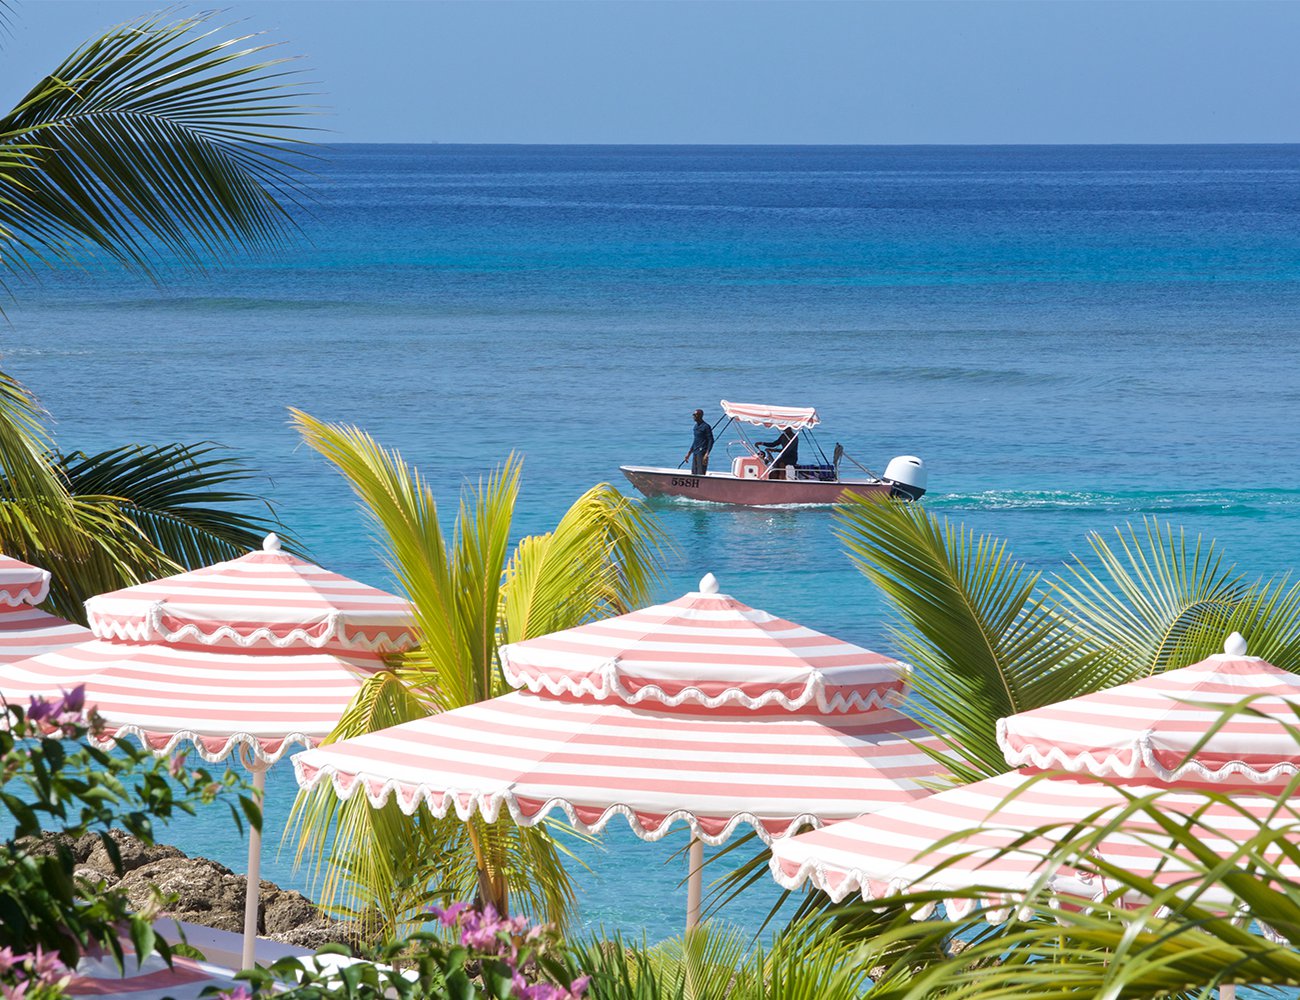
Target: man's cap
(697, 413)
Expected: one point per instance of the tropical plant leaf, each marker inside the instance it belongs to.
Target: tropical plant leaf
(467, 594)
(158, 140)
(182, 498)
(983, 642)
(1152, 593)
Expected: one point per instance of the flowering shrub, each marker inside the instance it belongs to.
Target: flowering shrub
(488, 957)
(53, 780)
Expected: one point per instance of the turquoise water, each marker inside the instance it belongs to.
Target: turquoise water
(1071, 337)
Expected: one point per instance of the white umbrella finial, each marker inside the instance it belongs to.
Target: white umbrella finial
(1234, 645)
(271, 543)
(709, 584)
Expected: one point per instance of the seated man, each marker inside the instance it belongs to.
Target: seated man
(786, 449)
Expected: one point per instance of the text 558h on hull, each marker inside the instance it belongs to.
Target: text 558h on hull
(769, 473)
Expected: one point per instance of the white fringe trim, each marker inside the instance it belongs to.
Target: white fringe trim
(32, 594)
(151, 629)
(292, 743)
(441, 802)
(1142, 762)
(610, 684)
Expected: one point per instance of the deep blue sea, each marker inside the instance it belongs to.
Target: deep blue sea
(1073, 338)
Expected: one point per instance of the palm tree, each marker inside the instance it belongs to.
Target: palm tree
(471, 593)
(158, 142)
(989, 638)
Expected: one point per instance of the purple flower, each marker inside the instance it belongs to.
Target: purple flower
(449, 917)
(39, 709)
(238, 993)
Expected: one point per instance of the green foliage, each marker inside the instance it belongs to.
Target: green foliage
(990, 639)
(470, 594)
(132, 513)
(53, 779)
(158, 140)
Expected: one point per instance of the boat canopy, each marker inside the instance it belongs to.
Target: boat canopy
(797, 417)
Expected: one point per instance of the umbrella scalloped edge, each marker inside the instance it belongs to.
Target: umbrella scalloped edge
(1136, 760)
(212, 749)
(27, 595)
(152, 629)
(609, 684)
(646, 825)
(839, 884)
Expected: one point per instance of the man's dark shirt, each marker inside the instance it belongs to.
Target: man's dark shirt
(703, 443)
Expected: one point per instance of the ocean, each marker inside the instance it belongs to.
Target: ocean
(1072, 338)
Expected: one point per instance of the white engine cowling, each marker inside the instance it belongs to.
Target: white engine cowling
(907, 475)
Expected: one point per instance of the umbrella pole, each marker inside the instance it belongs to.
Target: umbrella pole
(254, 883)
(694, 883)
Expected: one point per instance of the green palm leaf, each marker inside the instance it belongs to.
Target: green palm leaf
(180, 496)
(467, 595)
(1154, 590)
(984, 643)
(155, 136)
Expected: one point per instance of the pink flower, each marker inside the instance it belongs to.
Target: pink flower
(8, 959)
(14, 992)
(238, 993)
(46, 966)
(176, 766)
(449, 917)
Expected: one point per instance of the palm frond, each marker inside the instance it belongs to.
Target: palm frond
(180, 496)
(602, 558)
(1152, 592)
(983, 641)
(154, 136)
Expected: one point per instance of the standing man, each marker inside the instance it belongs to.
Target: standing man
(700, 446)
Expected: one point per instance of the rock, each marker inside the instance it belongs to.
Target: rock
(205, 892)
(134, 854)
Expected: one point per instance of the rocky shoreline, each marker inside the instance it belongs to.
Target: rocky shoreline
(205, 892)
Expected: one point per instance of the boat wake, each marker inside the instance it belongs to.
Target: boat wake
(1160, 502)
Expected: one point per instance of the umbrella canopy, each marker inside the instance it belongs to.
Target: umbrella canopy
(264, 599)
(258, 654)
(218, 699)
(703, 711)
(894, 850)
(593, 761)
(278, 674)
(1148, 728)
(1138, 727)
(709, 650)
(26, 630)
(153, 979)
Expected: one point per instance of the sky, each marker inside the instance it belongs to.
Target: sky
(695, 71)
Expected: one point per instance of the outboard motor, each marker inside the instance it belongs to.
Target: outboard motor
(906, 476)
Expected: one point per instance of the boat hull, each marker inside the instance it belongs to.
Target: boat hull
(722, 488)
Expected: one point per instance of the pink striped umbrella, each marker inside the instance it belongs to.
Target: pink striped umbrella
(1136, 734)
(25, 630)
(1148, 728)
(295, 646)
(797, 417)
(894, 850)
(703, 711)
(153, 979)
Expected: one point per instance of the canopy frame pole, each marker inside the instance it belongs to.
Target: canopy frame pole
(694, 882)
(253, 884)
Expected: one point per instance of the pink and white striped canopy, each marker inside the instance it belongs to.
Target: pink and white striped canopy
(702, 710)
(165, 694)
(264, 599)
(894, 849)
(278, 674)
(710, 650)
(1146, 729)
(795, 417)
(22, 583)
(535, 754)
(153, 979)
(25, 630)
